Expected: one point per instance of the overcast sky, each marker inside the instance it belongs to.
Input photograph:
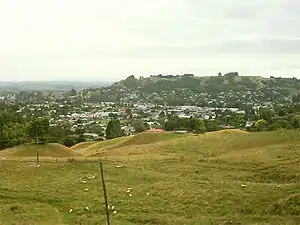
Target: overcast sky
(108, 40)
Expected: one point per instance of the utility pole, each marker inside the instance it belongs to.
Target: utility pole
(1, 133)
(37, 153)
(104, 193)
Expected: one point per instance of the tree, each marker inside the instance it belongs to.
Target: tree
(73, 92)
(281, 112)
(295, 121)
(174, 123)
(113, 115)
(57, 134)
(274, 126)
(69, 141)
(79, 131)
(211, 125)
(39, 128)
(196, 125)
(261, 125)
(113, 129)
(139, 126)
(96, 129)
(81, 138)
(266, 114)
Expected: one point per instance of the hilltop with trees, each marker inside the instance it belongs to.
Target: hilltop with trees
(228, 90)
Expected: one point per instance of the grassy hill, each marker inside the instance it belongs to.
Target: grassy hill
(82, 145)
(29, 150)
(228, 90)
(207, 83)
(230, 177)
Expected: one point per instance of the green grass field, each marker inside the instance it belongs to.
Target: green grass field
(218, 178)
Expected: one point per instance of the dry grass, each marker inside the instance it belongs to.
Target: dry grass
(230, 131)
(29, 150)
(82, 145)
(99, 146)
(225, 178)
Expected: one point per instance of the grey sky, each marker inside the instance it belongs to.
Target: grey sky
(109, 40)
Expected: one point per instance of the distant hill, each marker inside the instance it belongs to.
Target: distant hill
(48, 85)
(229, 90)
(217, 83)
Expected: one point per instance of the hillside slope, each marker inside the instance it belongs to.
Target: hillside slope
(48, 150)
(230, 177)
(207, 145)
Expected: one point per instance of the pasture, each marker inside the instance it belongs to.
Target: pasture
(230, 177)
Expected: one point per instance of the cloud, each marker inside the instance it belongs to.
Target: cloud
(100, 39)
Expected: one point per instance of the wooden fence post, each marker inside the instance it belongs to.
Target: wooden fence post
(104, 193)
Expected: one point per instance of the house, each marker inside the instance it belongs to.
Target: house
(93, 135)
(155, 130)
(250, 124)
(180, 131)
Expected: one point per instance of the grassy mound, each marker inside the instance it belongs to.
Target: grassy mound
(230, 131)
(82, 145)
(99, 146)
(226, 145)
(29, 150)
(149, 138)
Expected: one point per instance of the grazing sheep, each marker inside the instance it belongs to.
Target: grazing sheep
(71, 210)
(87, 208)
(243, 185)
(115, 212)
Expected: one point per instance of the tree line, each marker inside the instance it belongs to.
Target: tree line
(16, 128)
